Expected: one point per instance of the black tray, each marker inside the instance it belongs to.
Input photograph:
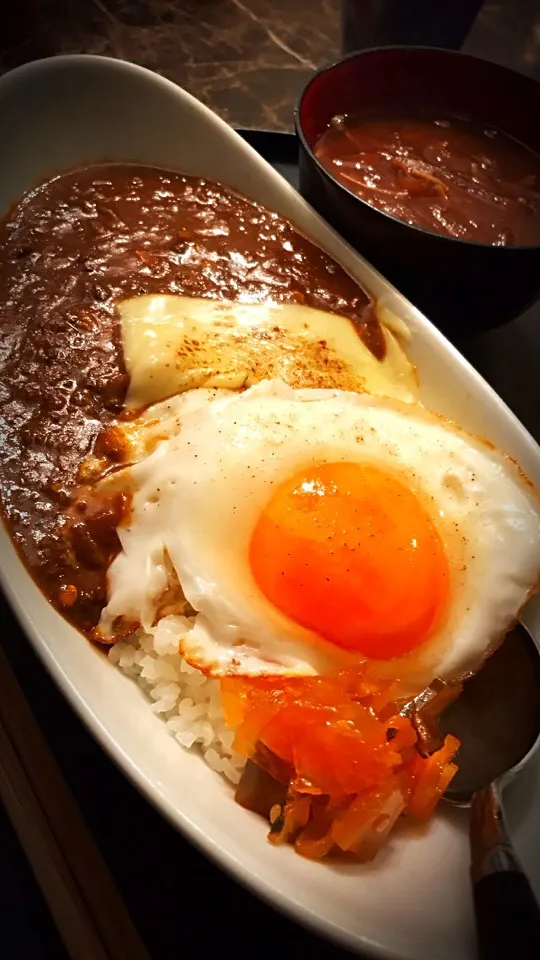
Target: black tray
(162, 877)
(280, 149)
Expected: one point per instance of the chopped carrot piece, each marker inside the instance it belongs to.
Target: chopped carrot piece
(351, 757)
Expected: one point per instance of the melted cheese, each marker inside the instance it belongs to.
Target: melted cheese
(175, 343)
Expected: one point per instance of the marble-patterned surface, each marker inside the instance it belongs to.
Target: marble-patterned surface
(248, 59)
(508, 32)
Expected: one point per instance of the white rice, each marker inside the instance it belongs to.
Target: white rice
(188, 702)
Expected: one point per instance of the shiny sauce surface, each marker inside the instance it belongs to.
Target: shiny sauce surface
(451, 176)
(69, 251)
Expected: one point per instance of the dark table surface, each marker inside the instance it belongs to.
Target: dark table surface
(163, 879)
(249, 59)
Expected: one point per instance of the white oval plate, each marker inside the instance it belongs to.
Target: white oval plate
(413, 903)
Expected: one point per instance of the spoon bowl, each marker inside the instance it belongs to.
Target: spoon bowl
(496, 717)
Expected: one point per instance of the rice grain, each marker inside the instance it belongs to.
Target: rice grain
(187, 701)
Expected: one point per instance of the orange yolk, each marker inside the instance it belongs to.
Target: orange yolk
(349, 552)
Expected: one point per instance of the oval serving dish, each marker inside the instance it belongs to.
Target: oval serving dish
(413, 902)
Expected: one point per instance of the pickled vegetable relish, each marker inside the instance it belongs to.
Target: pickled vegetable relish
(346, 753)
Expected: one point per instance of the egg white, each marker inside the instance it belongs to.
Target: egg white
(198, 495)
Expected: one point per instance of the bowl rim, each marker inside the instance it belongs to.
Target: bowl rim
(411, 48)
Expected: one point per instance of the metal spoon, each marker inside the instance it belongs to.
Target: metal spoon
(497, 719)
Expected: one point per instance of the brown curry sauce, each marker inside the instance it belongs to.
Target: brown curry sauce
(71, 249)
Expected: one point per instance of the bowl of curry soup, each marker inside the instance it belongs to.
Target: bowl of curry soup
(428, 162)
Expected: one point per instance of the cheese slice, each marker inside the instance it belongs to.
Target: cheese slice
(176, 343)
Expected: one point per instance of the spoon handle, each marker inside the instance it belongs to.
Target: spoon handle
(507, 913)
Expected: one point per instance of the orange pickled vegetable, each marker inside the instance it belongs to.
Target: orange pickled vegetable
(430, 778)
(350, 749)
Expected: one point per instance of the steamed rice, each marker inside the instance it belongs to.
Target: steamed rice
(188, 702)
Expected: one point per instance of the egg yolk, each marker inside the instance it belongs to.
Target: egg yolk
(350, 552)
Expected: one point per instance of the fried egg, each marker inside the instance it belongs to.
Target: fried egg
(308, 529)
